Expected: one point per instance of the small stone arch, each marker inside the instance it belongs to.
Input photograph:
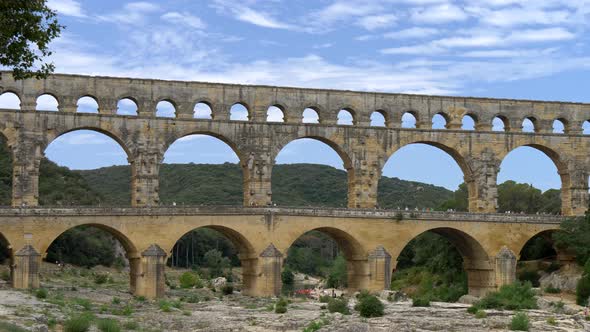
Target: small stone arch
(170, 102)
(345, 112)
(50, 94)
(127, 97)
(208, 103)
(500, 119)
(441, 116)
(469, 121)
(530, 124)
(235, 117)
(560, 125)
(7, 93)
(90, 97)
(410, 119)
(316, 110)
(276, 113)
(375, 123)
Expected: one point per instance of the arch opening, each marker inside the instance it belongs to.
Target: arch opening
(586, 127)
(345, 117)
(201, 168)
(326, 255)
(529, 125)
(409, 120)
(538, 257)
(47, 102)
(127, 106)
(9, 100)
(211, 252)
(559, 126)
(165, 109)
(499, 123)
(378, 119)
(468, 122)
(530, 189)
(426, 185)
(436, 265)
(89, 246)
(439, 121)
(311, 160)
(202, 111)
(239, 112)
(73, 174)
(310, 116)
(87, 104)
(275, 114)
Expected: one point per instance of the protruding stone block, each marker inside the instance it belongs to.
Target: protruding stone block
(505, 267)
(270, 264)
(379, 269)
(150, 280)
(25, 268)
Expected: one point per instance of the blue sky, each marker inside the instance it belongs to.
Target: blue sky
(526, 49)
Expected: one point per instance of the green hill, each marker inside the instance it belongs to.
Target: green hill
(292, 185)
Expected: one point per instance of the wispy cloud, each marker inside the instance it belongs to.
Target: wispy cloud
(66, 7)
(184, 19)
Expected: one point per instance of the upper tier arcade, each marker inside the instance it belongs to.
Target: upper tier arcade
(363, 148)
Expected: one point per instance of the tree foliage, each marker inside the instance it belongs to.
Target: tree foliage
(574, 237)
(27, 29)
(83, 246)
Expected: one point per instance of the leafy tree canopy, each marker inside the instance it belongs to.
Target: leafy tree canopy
(27, 29)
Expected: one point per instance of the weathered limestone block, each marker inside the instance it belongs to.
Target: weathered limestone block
(482, 184)
(27, 155)
(379, 269)
(25, 268)
(505, 267)
(145, 183)
(270, 265)
(481, 276)
(257, 179)
(151, 281)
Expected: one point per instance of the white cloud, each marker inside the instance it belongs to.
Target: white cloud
(415, 32)
(423, 49)
(541, 35)
(83, 138)
(373, 22)
(249, 15)
(521, 16)
(503, 53)
(443, 13)
(184, 18)
(66, 7)
(131, 13)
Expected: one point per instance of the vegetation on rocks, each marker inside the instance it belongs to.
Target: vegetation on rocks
(517, 296)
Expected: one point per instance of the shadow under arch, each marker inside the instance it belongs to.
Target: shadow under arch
(476, 260)
(547, 236)
(6, 162)
(344, 157)
(562, 170)
(246, 253)
(353, 252)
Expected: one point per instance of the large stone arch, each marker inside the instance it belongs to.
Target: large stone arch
(354, 251)
(478, 263)
(458, 156)
(126, 144)
(565, 171)
(339, 148)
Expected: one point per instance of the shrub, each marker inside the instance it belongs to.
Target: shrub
(421, 302)
(515, 296)
(481, 314)
(472, 310)
(551, 321)
(227, 289)
(190, 280)
(287, 276)
(78, 324)
(370, 306)
(338, 305)
(165, 306)
(552, 290)
(4, 326)
(84, 303)
(281, 306)
(325, 298)
(101, 278)
(41, 293)
(131, 325)
(108, 325)
(5, 275)
(530, 275)
(583, 287)
(520, 322)
(116, 300)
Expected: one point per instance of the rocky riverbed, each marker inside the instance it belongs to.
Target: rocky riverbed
(72, 293)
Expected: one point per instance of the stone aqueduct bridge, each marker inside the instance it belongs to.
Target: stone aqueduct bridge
(371, 239)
